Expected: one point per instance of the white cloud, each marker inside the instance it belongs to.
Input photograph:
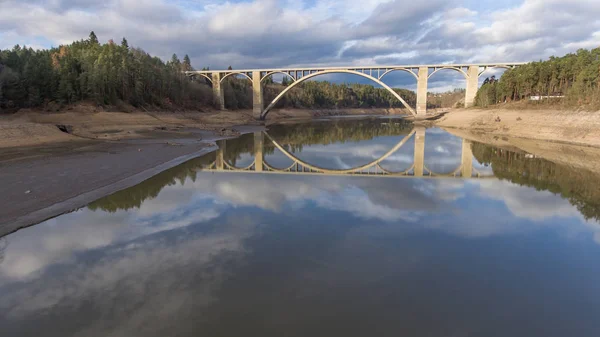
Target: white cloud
(263, 33)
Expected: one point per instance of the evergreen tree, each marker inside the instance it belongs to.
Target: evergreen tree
(187, 64)
(93, 39)
(175, 63)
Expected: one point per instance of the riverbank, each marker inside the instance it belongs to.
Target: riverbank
(50, 180)
(570, 127)
(84, 123)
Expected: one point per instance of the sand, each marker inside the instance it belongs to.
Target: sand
(570, 127)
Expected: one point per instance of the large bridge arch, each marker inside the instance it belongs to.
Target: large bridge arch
(357, 169)
(334, 71)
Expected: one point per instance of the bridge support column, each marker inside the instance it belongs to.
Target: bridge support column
(257, 95)
(422, 90)
(419, 157)
(218, 92)
(220, 162)
(466, 161)
(259, 142)
(472, 86)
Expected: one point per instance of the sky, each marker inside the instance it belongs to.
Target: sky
(279, 33)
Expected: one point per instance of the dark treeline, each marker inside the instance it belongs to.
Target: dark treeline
(326, 95)
(107, 74)
(114, 74)
(578, 186)
(576, 76)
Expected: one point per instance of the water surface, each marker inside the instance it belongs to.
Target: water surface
(443, 237)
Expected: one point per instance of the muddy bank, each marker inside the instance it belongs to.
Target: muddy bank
(50, 180)
(33, 128)
(571, 127)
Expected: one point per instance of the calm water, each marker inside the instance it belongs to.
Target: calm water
(514, 250)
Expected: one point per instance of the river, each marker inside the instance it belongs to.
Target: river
(322, 237)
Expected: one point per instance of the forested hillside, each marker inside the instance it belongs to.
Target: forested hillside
(113, 74)
(104, 73)
(574, 76)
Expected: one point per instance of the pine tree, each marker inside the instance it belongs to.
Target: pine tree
(124, 43)
(175, 63)
(93, 38)
(187, 63)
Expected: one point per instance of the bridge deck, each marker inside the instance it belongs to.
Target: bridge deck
(458, 65)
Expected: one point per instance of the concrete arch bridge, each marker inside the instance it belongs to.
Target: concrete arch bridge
(372, 169)
(421, 73)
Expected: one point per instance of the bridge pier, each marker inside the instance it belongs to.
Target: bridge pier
(466, 161)
(419, 156)
(220, 162)
(259, 141)
(257, 95)
(218, 93)
(422, 90)
(472, 86)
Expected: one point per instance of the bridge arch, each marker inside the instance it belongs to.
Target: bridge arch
(335, 71)
(451, 68)
(277, 72)
(400, 69)
(199, 74)
(494, 67)
(236, 73)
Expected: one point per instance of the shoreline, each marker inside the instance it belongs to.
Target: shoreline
(39, 187)
(557, 126)
(79, 125)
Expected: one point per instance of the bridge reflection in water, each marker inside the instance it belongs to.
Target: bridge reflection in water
(418, 169)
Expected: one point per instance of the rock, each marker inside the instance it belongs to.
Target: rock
(28, 191)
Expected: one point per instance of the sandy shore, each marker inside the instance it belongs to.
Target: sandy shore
(571, 127)
(33, 128)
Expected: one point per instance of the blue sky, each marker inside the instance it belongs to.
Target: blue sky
(274, 33)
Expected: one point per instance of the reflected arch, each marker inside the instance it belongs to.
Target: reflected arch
(335, 71)
(358, 169)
